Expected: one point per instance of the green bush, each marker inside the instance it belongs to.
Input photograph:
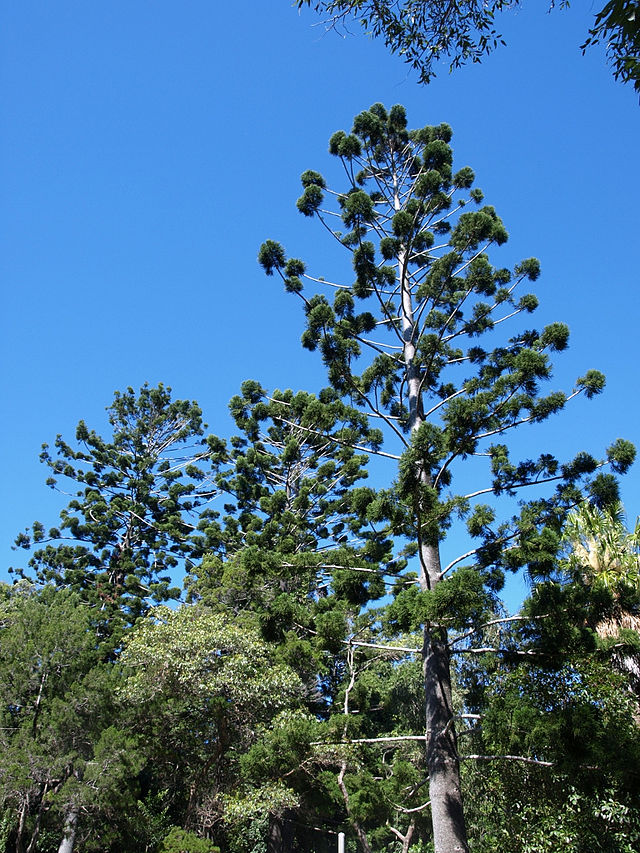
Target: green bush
(181, 841)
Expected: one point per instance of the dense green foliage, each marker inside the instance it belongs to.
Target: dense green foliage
(64, 746)
(126, 528)
(206, 730)
(200, 687)
(182, 841)
(617, 25)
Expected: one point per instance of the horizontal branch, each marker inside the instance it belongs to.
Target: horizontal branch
(379, 344)
(458, 560)
(330, 566)
(517, 423)
(500, 621)
(324, 281)
(338, 441)
(508, 487)
(405, 810)
(391, 739)
(383, 648)
(522, 758)
(496, 651)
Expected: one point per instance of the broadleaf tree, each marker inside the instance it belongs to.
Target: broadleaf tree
(402, 340)
(201, 685)
(603, 562)
(566, 705)
(425, 31)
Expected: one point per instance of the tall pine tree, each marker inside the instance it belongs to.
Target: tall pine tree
(401, 341)
(283, 546)
(127, 526)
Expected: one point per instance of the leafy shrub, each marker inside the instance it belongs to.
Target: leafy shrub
(182, 841)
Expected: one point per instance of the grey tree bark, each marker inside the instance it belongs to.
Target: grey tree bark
(449, 828)
(69, 834)
(449, 831)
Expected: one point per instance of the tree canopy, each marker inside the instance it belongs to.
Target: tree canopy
(403, 339)
(126, 527)
(423, 32)
(343, 661)
(202, 687)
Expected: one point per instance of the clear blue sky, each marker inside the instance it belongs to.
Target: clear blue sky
(148, 148)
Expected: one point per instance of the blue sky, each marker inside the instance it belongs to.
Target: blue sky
(148, 148)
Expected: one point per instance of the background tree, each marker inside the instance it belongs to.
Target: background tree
(285, 551)
(126, 528)
(286, 527)
(290, 555)
(555, 698)
(425, 31)
(428, 294)
(68, 767)
(202, 686)
(356, 770)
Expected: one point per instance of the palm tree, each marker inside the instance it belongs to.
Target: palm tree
(602, 554)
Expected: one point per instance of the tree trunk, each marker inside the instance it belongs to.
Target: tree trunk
(69, 835)
(361, 835)
(449, 832)
(21, 824)
(274, 841)
(443, 765)
(359, 830)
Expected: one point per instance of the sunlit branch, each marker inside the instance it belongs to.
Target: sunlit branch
(521, 758)
(444, 402)
(324, 281)
(408, 811)
(383, 648)
(503, 620)
(493, 650)
(391, 739)
(342, 443)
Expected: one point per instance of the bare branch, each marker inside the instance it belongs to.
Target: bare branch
(522, 758)
(341, 443)
(390, 739)
(384, 648)
(502, 621)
